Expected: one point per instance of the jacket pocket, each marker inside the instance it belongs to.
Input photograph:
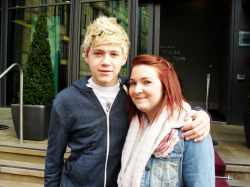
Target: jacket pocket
(89, 169)
(167, 169)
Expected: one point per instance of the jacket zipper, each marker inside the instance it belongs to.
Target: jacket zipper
(108, 135)
(108, 141)
(108, 132)
(107, 153)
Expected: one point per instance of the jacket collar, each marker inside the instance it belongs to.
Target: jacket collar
(83, 84)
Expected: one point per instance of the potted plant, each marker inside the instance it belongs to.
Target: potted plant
(246, 118)
(38, 86)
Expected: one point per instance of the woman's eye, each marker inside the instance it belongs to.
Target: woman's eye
(147, 82)
(132, 83)
(114, 54)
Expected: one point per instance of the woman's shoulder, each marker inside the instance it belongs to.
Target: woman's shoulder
(207, 142)
(203, 148)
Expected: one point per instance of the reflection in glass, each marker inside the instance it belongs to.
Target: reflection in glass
(90, 11)
(17, 3)
(0, 28)
(142, 30)
(21, 28)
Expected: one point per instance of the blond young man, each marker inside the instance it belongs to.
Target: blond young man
(90, 115)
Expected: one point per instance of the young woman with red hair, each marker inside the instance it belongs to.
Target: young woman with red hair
(154, 153)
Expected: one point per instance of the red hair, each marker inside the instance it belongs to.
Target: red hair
(172, 98)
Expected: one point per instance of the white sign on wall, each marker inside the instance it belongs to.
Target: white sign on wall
(244, 38)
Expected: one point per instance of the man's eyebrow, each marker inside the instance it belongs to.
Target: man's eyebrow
(111, 51)
(98, 50)
(114, 51)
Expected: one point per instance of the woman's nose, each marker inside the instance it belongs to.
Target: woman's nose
(138, 88)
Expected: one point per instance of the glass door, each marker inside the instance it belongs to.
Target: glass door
(92, 10)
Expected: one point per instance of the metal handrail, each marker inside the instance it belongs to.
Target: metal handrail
(207, 95)
(21, 95)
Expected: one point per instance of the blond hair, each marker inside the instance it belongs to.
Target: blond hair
(106, 30)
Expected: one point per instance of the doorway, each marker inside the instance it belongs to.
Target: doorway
(193, 36)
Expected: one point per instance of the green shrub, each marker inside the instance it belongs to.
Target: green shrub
(38, 79)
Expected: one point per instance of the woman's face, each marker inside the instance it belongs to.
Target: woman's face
(146, 90)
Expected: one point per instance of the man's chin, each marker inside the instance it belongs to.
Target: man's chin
(108, 82)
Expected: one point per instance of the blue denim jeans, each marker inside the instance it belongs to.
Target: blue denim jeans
(189, 164)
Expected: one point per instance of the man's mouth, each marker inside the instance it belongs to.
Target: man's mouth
(105, 71)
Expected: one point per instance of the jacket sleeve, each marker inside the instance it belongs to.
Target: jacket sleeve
(197, 108)
(198, 168)
(57, 143)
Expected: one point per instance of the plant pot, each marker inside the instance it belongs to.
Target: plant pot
(36, 121)
(246, 120)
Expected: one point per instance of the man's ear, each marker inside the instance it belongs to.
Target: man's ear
(125, 58)
(86, 56)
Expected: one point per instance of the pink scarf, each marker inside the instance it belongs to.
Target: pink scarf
(167, 144)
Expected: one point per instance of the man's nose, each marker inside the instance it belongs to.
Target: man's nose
(106, 60)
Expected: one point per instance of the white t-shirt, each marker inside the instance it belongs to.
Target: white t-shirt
(106, 95)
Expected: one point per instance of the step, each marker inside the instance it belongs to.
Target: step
(22, 166)
(239, 172)
(28, 151)
(21, 157)
(14, 180)
(23, 150)
(13, 173)
(238, 183)
(7, 183)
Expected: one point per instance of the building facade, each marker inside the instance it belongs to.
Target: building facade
(201, 38)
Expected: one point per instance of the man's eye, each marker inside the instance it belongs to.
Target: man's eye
(97, 53)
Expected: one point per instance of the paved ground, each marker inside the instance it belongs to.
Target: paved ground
(8, 137)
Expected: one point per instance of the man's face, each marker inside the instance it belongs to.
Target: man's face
(105, 62)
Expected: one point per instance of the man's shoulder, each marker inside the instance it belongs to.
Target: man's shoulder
(81, 83)
(70, 92)
(78, 84)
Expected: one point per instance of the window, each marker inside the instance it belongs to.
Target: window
(20, 30)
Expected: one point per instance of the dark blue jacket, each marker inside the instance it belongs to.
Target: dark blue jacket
(96, 138)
